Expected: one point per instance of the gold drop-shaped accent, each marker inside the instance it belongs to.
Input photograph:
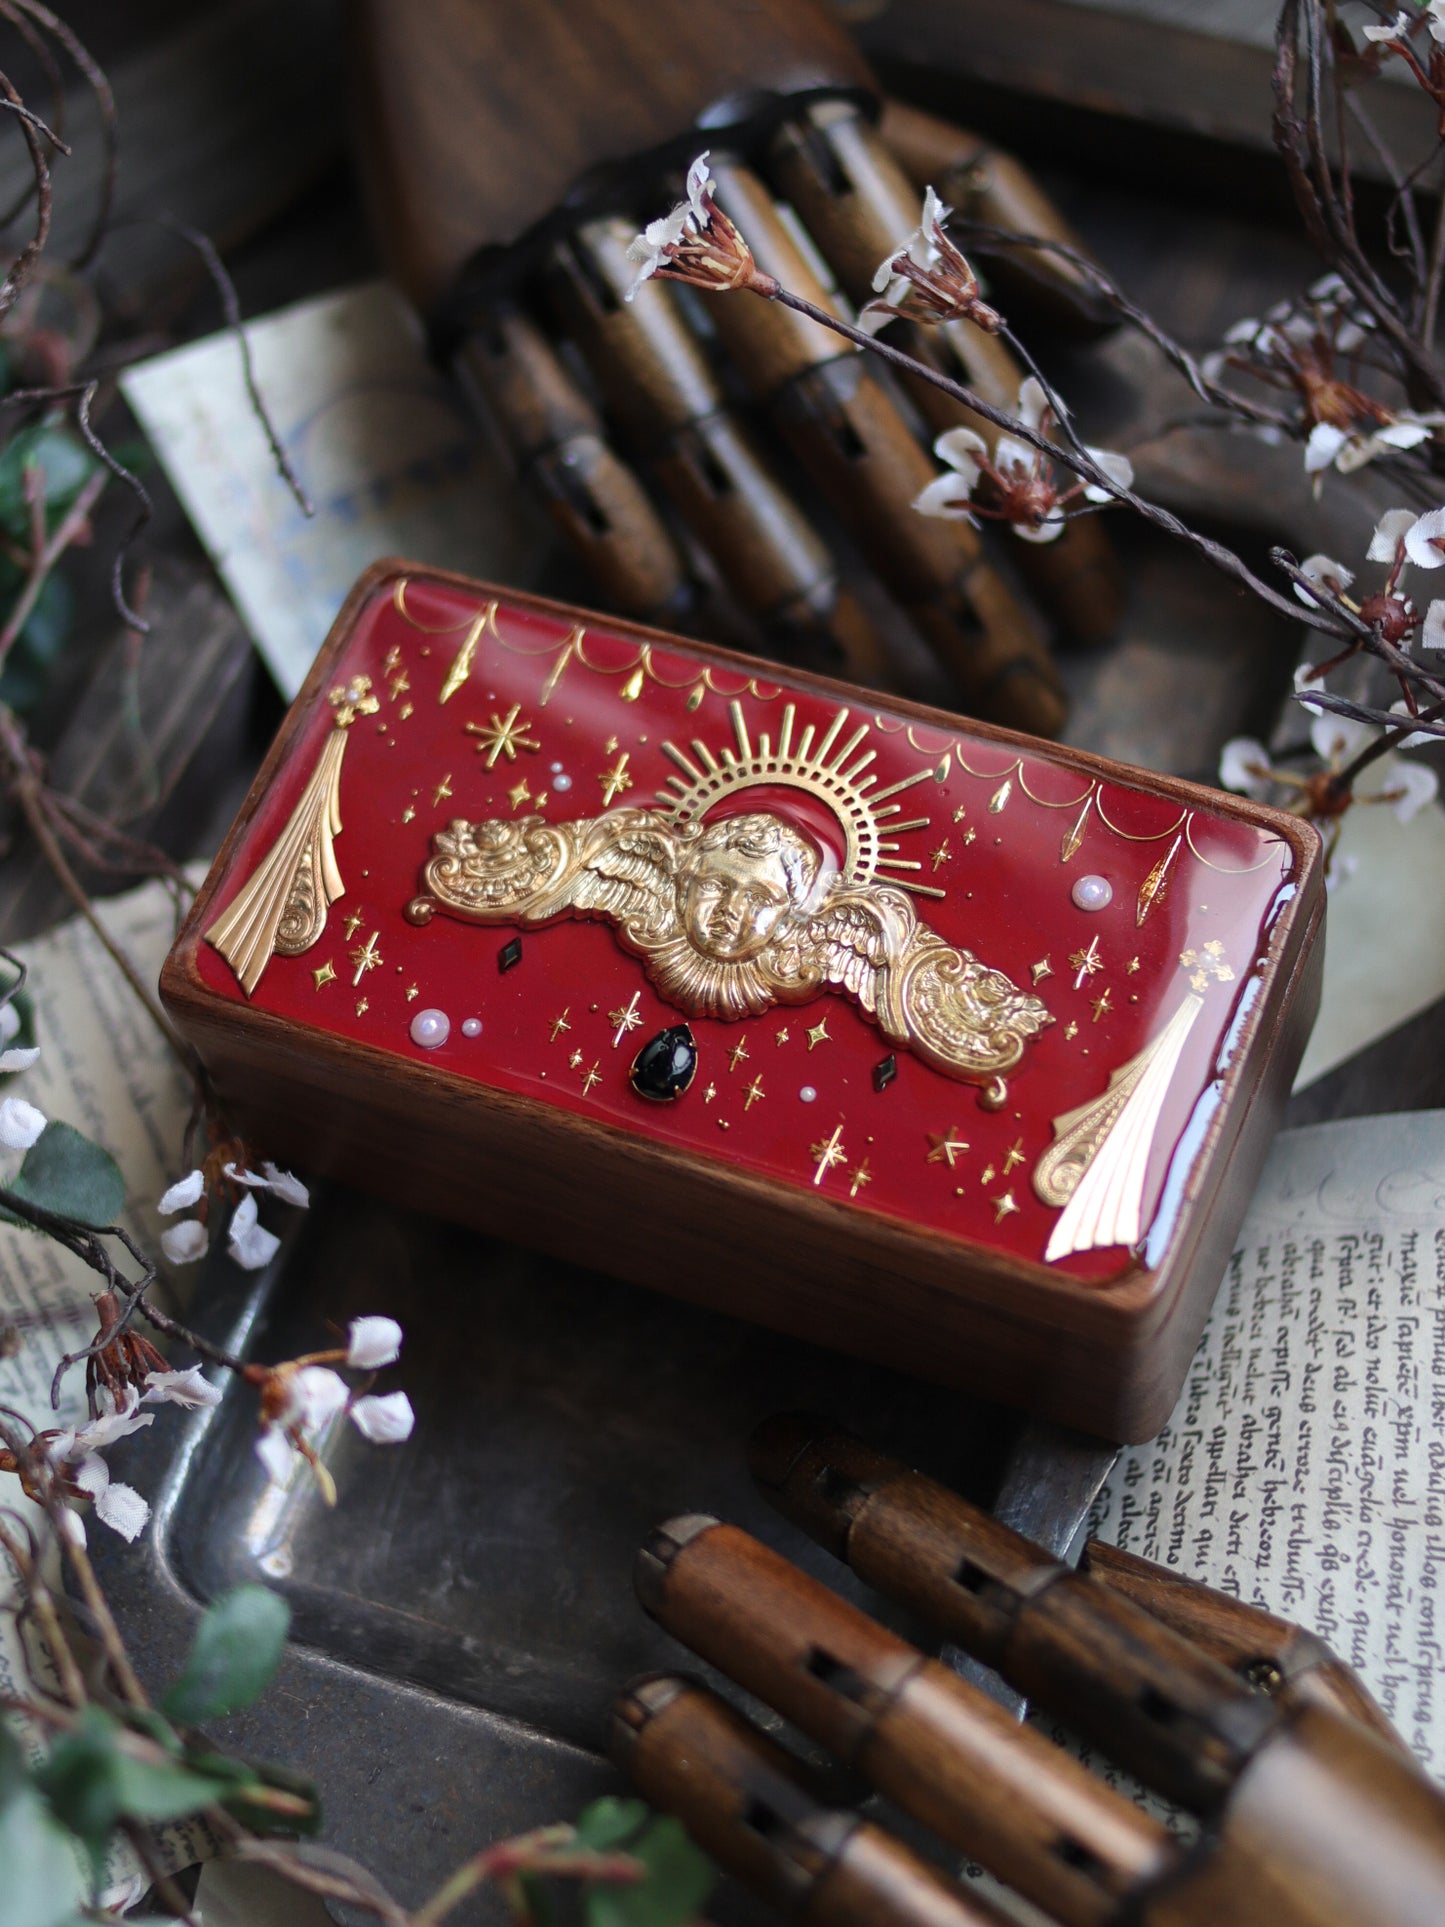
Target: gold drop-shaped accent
(284, 903)
(462, 664)
(1096, 1166)
(1154, 886)
(940, 775)
(694, 700)
(633, 687)
(1074, 835)
(1000, 796)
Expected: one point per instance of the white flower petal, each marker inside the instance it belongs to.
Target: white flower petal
(1117, 467)
(19, 1059)
(1324, 570)
(1435, 14)
(1432, 635)
(1341, 869)
(1048, 530)
(697, 186)
(935, 214)
(947, 496)
(1397, 30)
(1388, 535)
(1323, 446)
(1033, 404)
(1422, 538)
(9, 1022)
(1213, 365)
(92, 1476)
(123, 1509)
(282, 1185)
(1338, 738)
(277, 1455)
(1418, 738)
(183, 1194)
(317, 1394)
(190, 1388)
(1329, 287)
(385, 1421)
(250, 1244)
(72, 1527)
(1417, 785)
(20, 1123)
(103, 1431)
(1016, 457)
(1349, 336)
(1407, 432)
(185, 1242)
(1241, 331)
(373, 1342)
(1244, 766)
(957, 447)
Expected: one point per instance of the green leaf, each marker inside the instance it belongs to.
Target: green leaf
(237, 1647)
(43, 1885)
(679, 1878)
(90, 1783)
(65, 1173)
(608, 1822)
(65, 463)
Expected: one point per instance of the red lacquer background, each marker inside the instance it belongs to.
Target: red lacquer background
(1007, 839)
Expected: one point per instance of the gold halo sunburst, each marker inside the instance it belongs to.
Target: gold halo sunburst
(836, 772)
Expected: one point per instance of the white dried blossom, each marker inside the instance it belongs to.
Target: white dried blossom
(1397, 30)
(1328, 573)
(314, 1395)
(117, 1505)
(385, 1421)
(1336, 739)
(1348, 450)
(281, 1184)
(185, 1242)
(20, 1058)
(79, 1442)
(190, 1388)
(182, 1194)
(1117, 467)
(920, 246)
(277, 1454)
(948, 496)
(1432, 631)
(250, 1244)
(1435, 15)
(20, 1124)
(1425, 540)
(372, 1342)
(1244, 767)
(1411, 787)
(1389, 533)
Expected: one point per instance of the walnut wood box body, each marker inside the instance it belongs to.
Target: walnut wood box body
(849, 1163)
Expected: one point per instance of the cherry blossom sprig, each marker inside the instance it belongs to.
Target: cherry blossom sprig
(226, 1173)
(303, 1396)
(698, 244)
(1015, 483)
(929, 279)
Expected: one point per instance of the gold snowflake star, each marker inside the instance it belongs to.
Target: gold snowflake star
(827, 1152)
(623, 1020)
(753, 1093)
(1102, 1006)
(503, 736)
(1015, 1156)
(366, 957)
(1086, 962)
(615, 780)
(944, 1147)
(1003, 1206)
(940, 855)
(738, 1054)
(442, 791)
(861, 1176)
(593, 1076)
(559, 1024)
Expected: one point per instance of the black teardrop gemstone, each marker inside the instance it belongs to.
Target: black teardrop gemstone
(666, 1065)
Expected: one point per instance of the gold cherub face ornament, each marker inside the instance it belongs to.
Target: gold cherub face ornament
(734, 903)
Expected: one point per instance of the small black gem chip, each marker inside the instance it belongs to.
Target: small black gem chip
(509, 954)
(666, 1065)
(884, 1072)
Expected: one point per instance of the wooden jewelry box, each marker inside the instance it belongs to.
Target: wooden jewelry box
(911, 1036)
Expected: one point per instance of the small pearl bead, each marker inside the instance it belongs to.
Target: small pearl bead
(807, 1093)
(1093, 893)
(431, 1029)
(472, 1027)
(555, 768)
(562, 783)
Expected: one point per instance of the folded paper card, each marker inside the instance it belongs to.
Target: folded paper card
(915, 1037)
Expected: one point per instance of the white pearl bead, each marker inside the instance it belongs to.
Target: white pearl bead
(431, 1029)
(562, 783)
(807, 1093)
(1093, 893)
(472, 1027)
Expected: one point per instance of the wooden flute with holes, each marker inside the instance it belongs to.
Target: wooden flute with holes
(1327, 1826)
(747, 1803)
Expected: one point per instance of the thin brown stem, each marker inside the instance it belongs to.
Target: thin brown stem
(47, 1618)
(46, 552)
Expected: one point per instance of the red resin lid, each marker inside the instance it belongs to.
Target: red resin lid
(498, 711)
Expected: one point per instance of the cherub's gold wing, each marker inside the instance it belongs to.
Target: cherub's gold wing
(527, 871)
(936, 1000)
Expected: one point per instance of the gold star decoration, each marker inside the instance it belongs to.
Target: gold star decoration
(987, 1174)
(709, 1094)
(940, 855)
(593, 1076)
(401, 682)
(362, 1006)
(393, 660)
(753, 1093)
(1102, 1006)
(406, 710)
(412, 993)
(624, 1020)
(354, 923)
(519, 794)
(442, 791)
(609, 748)
(1043, 968)
(615, 780)
(1002, 1206)
(970, 836)
(408, 813)
(944, 1147)
(782, 1036)
(324, 974)
(576, 1060)
(1206, 964)
(351, 700)
(1131, 969)
(1086, 962)
(559, 1024)
(861, 1176)
(818, 1035)
(1015, 1156)
(503, 736)
(827, 1152)
(1071, 1031)
(366, 957)
(960, 813)
(738, 1054)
